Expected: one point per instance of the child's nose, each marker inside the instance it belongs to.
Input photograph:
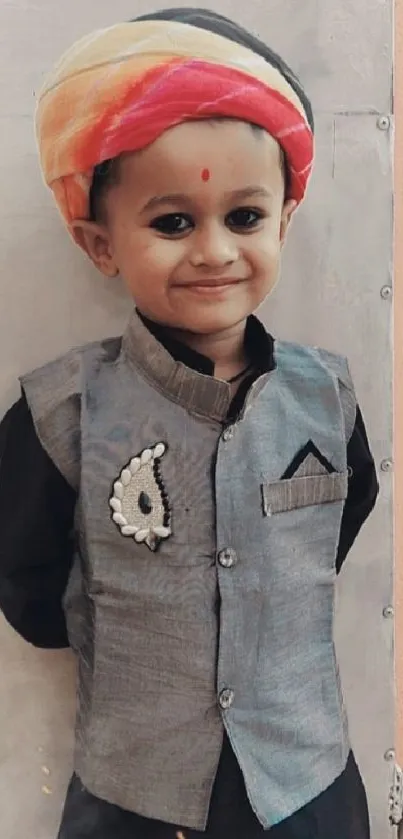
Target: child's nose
(214, 247)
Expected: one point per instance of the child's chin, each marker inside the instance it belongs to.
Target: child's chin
(213, 318)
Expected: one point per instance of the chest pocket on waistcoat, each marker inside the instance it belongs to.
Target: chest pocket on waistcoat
(310, 479)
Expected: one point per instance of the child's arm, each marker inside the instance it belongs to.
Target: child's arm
(362, 491)
(36, 525)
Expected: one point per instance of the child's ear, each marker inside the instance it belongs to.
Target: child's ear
(95, 241)
(289, 208)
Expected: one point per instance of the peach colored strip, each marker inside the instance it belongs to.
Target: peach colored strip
(154, 38)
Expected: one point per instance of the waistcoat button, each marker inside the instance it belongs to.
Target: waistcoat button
(228, 433)
(226, 698)
(227, 558)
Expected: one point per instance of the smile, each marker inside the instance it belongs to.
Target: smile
(210, 286)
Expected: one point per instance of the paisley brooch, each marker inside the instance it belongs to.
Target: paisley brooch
(139, 503)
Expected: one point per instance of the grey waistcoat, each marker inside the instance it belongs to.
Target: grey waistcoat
(203, 584)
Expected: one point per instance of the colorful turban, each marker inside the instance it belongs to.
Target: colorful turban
(118, 89)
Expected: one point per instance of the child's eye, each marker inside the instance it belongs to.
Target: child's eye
(245, 217)
(171, 223)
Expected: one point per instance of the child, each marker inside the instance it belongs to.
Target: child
(188, 492)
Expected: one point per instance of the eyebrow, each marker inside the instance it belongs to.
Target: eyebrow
(180, 198)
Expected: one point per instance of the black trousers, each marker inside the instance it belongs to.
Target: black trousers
(340, 812)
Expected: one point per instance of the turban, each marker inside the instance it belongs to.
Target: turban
(118, 89)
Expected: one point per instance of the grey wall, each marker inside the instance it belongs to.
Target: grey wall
(337, 261)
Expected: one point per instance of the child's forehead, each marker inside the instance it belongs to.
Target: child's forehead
(208, 177)
(205, 189)
(205, 151)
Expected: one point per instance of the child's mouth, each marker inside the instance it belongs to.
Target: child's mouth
(209, 287)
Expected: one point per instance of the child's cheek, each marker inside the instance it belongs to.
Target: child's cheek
(169, 255)
(267, 249)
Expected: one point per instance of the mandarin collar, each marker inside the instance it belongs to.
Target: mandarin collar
(259, 346)
(184, 375)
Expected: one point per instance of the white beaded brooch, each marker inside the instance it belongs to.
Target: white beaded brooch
(140, 505)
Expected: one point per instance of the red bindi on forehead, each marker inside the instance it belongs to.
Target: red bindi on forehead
(205, 175)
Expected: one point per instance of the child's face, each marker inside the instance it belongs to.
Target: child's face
(204, 260)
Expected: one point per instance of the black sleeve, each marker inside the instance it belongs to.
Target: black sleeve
(362, 491)
(36, 526)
